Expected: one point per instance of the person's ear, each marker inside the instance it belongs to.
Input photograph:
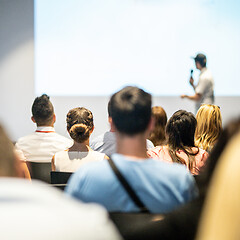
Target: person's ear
(33, 119)
(54, 118)
(113, 128)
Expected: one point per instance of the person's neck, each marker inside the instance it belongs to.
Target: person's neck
(45, 125)
(111, 130)
(80, 147)
(133, 147)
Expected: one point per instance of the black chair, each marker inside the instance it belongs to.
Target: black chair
(60, 177)
(40, 171)
(129, 223)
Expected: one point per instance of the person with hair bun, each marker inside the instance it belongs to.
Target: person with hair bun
(80, 126)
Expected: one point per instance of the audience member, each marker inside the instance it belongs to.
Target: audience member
(180, 146)
(221, 212)
(37, 211)
(41, 145)
(209, 126)
(106, 143)
(157, 136)
(80, 126)
(160, 186)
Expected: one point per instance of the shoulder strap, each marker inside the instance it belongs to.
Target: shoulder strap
(127, 187)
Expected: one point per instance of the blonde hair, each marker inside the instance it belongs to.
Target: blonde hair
(157, 136)
(209, 126)
(221, 214)
(80, 124)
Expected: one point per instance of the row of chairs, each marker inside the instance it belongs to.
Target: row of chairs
(42, 171)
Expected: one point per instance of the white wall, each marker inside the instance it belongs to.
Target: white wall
(17, 80)
(16, 65)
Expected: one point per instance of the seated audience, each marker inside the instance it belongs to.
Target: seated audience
(106, 143)
(41, 145)
(80, 126)
(160, 186)
(182, 223)
(37, 211)
(157, 136)
(180, 146)
(221, 212)
(209, 126)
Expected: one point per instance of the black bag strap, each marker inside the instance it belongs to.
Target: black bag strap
(127, 187)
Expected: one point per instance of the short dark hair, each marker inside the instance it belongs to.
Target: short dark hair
(201, 59)
(130, 109)
(42, 110)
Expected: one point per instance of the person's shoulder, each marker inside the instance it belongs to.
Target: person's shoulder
(203, 152)
(60, 138)
(103, 140)
(97, 154)
(171, 169)
(206, 75)
(98, 139)
(149, 144)
(155, 152)
(25, 138)
(61, 153)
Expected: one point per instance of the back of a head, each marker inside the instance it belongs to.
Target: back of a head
(209, 126)
(158, 134)
(7, 156)
(42, 110)
(180, 130)
(131, 110)
(80, 124)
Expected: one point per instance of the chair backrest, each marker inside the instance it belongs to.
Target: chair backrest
(40, 171)
(60, 177)
(130, 223)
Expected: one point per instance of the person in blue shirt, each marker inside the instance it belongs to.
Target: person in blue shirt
(161, 186)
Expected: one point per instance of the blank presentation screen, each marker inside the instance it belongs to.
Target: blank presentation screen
(95, 47)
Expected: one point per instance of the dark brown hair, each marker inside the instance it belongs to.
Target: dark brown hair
(79, 124)
(157, 136)
(180, 132)
(130, 109)
(42, 110)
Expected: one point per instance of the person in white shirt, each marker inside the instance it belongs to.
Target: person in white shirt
(106, 142)
(41, 145)
(80, 126)
(204, 90)
(34, 210)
